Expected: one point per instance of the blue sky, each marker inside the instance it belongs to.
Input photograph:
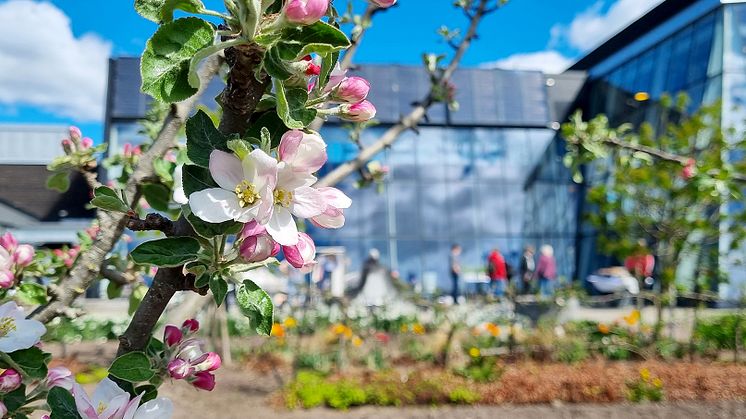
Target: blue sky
(71, 40)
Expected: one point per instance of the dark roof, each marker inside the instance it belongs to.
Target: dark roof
(635, 30)
(23, 188)
(487, 97)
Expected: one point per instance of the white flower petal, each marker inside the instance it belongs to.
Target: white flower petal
(307, 202)
(282, 228)
(226, 169)
(333, 218)
(158, 408)
(106, 391)
(83, 403)
(260, 169)
(215, 205)
(335, 198)
(179, 195)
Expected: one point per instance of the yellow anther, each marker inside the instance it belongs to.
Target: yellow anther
(246, 193)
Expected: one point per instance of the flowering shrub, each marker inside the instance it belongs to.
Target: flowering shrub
(645, 388)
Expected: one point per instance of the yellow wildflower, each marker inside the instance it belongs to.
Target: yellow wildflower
(657, 382)
(493, 329)
(404, 328)
(645, 374)
(290, 322)
(418, 329)
(632, 318)
(604, 328)
(357, 342)
(278, 330)
(339, 329)
(474, 352)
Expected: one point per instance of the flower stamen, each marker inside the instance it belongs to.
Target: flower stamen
(247, 193)
(283, 197)
(7, 325)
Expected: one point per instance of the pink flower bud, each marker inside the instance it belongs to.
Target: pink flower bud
(191, 325)
(359, 112)
(305, 12)
(203, 381)
(689, 170)
(179, 369)
(23, 255)
(258, 248)
(252, 228)
(60, 377)
(136, 151)
(75, 133)
(10, 380)
(67, 145)
(3, 410)
(58, 252)
(86, 143)
(172, 335)
(333, 215)
(384, 4)
(302, 151)
(352, 90)
(7, 279)
(127, 150)
(209, 361)
(8, 242)
(301, 255)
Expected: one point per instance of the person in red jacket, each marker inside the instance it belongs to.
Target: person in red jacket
(498, 272)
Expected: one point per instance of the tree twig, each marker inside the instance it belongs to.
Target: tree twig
(152, 222)
(411, 120)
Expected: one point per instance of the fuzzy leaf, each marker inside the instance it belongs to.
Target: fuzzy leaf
(257, 305)
(133, 367)
(203, 138)
(62, 404)
(168, 252)
(321, 38)
(59, 181)
(291, 106)
(219, 288)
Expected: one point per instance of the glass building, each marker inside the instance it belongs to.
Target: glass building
(695, 47)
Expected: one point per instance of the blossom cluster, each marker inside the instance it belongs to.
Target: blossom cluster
(266, 193)
(76, 142)
(186, 359)
(13, 258)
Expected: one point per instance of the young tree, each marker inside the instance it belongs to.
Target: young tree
(675, 186)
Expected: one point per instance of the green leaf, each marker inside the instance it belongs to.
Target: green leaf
(150, 9)
(151, 392)
(133, 367)
(210, 230)
(15, 398)
(328, 62)
(108, 200)
(59, 181)
(33, 361)
(291, 106)
(321, 37)
(195, 178)
(113, 290)
(32, 293)
(276, 66)
(273, 123)
(164, 66)
(203, 138)
(167, 252)
(163, 10)
(219, 288)
(202, 281)
(62, 404)
(158, 195)
(256, 304)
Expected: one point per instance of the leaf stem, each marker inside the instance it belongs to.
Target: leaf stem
(206, 52)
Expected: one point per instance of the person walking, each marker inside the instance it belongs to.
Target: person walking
(527, 268)
(546, 271)
(455, 268)
(498, 272)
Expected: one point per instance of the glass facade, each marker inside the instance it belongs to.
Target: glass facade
(446, 185)
(700, 51)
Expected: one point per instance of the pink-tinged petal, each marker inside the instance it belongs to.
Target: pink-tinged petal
(302, 254)
(116, 407)
(252, 228)
(288, 179)
(331, 218)
(226, 169)
(289, 144)
(172, 335)
(131, 407)
(263, 211)
(335, 198)
(215, 205)
(260, 169)
(83, 403)
(281, 227)
(307, 202)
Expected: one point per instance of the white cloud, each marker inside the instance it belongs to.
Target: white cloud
(549, 61)
(591, 27)
(43, 64)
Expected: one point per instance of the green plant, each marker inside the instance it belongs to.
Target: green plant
(719, 332)
(462, 395)
(645, 388)
(571, 350)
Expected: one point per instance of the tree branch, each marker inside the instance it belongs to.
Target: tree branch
(88, 265)
(415, 116)
(119, 278)
(242, 91)
(152, 222)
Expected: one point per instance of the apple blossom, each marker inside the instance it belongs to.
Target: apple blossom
(358, 112)
(86, 143)
(179, 196)
(23, 255)
(172, 335)
(245, 189)
(311, 68)
(109, 401)
(67, 146)
(384, 4)
(257, 244)
(8, 242)
(305, 12)
(75, 132)
(60, 377)
(333, 215)
(190, 325)
(203, 381)
(209, 361)
(352, 90)
(7, 279)
(179, 369)
(689, 170)
(301, 255)
(304, 152)
(3, 410)
(335, 77)
(17, 332)
(10, 380)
